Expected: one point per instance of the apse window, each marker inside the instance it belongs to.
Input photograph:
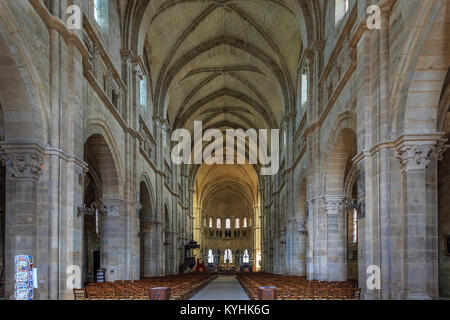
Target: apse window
(237, 223)
(341, 9)
(228, 224)
(245, 222)
(219, 225)
(210, 223)
(143, 92)
(228, 256)
(210, 257)
(101, 13)
(246, 258)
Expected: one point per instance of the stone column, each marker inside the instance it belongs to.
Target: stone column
(54, 163)
(111, 251)
(156, 268)
(159, 186)
(146, 235)
(23, 163)
(319, 235)
(336, 238)
(415, 155)
(198, 234)
(256, 233)
(309, 232)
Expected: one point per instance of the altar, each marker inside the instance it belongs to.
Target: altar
(227, 267)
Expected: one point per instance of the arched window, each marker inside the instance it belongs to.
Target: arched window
(228, 224)
(245, 222)
(97, 222)
(250, 222)
(218, 224)
(237, 223)
(204, 222)
(341, 9)
(228, 256)
(211, 222)
(143, 92)
(246, 257)
(101, 13)
(210, 257)
(355, 226)
(304, 87)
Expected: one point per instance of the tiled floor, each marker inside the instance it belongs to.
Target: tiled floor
(223, 288)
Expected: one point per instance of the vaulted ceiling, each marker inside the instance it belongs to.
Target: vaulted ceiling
(231, 182)
(228, 63)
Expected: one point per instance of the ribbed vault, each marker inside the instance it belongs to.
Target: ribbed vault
(219, 61)
(240, 181)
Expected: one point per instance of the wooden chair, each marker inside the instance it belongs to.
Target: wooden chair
(93, 293)
(108, 293)
(79, 294)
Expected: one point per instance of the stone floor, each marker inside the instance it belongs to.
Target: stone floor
(223, 288)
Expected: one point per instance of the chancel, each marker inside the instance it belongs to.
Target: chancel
(334, 186)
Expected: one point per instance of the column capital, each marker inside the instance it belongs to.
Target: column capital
(333, 205)
(415, 152)
(23, 160)
(111, 207)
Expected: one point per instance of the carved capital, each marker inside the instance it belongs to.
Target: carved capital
(416, 152)
(415, 157)
(333, 205)
(439, 150)
(22, 160)
(111, 207)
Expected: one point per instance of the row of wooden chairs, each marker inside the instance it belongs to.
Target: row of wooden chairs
(182, 287)
(298, 288)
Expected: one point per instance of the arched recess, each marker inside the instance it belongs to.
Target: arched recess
(102, 194)
(145, 233)
(23, 101)
(339, 166)
(98, 128)
(422, 71)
